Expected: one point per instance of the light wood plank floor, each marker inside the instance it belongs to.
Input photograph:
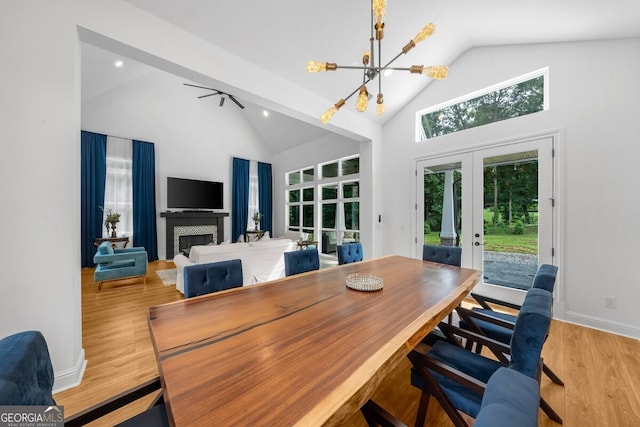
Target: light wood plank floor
(600, 370)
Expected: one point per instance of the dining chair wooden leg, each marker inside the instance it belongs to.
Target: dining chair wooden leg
(431, 388)
(551, 413)
(376, 416)
(421, 415)
(552, 375)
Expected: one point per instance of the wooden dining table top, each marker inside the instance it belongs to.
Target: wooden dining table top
(304, 350)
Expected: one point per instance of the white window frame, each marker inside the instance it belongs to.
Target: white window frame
(318, 183)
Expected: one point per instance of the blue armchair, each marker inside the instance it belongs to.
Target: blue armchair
(118, 264)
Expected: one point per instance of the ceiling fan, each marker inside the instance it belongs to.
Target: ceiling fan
(223, 95)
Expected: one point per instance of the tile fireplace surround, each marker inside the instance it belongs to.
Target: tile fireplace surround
(192, 223)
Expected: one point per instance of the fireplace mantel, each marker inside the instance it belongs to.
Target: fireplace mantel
(191, 218)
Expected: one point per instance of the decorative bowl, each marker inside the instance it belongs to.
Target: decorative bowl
(364, 282)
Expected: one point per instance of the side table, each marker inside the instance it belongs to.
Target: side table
(304, 244)
(113, 241)
(254, 235)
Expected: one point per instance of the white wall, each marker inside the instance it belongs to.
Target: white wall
(594, 94)
(194, 138)
(40, 176)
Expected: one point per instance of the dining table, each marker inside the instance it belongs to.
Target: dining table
(304, 350)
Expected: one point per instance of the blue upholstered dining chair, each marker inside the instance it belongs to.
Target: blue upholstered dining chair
(455, 375)
(26, 373)
(26, 379)
(350, 252)
(119, 263)
(450, 255)
(296, 262)
(545, 278)
(509, 396)
(202, 279)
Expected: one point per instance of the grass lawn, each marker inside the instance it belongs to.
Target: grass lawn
(501, 240)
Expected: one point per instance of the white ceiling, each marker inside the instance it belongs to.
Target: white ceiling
(281, 35)
(279, 132)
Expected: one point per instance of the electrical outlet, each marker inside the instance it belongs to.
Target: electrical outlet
(610, 302)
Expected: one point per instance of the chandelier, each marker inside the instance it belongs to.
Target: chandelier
(371, 70)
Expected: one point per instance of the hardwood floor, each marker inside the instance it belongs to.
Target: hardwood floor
(600, 370)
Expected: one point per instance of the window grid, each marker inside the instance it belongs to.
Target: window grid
(330, 208)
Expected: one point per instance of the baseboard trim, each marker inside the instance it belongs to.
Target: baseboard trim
(70, 378)
(605, 325)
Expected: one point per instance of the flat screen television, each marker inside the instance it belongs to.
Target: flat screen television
(193, 194)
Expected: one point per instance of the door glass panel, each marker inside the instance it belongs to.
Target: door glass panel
(307, 216)
(351, 215)
(351, 189)
(294, 196)
(294, 216)
(307, 194)
(330, 192)
(510, 251)
(443, 204)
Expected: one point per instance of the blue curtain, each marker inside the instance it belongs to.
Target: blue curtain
(239, 198)
(93, 174)
(265, 195)
(143, 171)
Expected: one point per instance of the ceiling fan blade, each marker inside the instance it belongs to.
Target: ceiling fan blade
(201, 87)
(209, 94)
(236, 101)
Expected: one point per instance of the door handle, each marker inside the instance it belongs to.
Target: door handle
(477, 243)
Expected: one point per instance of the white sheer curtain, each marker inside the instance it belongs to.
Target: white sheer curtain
(253, 194)
(118, 194)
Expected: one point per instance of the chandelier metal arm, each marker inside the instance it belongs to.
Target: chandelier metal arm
(372, 68)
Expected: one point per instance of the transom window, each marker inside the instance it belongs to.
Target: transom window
(514, 98)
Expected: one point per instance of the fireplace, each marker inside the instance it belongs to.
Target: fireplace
(201, 226)
(185, 236)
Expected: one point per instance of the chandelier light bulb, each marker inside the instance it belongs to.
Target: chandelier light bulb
(366, 57)
(379, 10)
(424, 33)
(438, 72)
(380, 105)
(324, 118)
(363, 99)
(331, 111)
(317, 66)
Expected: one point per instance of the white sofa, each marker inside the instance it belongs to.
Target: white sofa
(261, 261)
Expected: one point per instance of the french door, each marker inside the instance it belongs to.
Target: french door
(496, 203)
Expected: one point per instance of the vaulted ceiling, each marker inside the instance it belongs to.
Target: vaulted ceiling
(281, 35)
